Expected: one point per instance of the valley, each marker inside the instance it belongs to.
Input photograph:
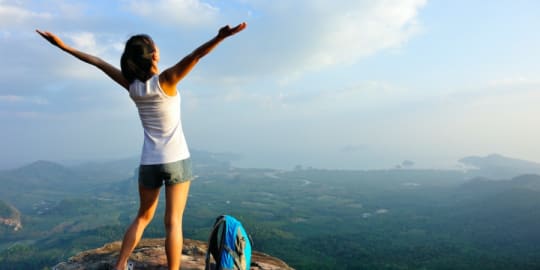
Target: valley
(310, 218)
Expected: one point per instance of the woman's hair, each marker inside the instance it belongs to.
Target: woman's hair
(136, 61)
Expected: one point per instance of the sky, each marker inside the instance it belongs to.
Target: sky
(339, 84)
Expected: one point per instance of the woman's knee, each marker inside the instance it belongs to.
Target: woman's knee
(145, 216)
(172, 222)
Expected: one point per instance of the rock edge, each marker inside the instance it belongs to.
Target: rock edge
(150, 255)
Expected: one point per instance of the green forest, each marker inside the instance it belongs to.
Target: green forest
(310, 218)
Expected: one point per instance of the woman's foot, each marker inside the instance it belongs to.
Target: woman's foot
(129, 266)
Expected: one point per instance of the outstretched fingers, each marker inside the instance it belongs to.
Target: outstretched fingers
(239, 28)
(43, 34)
(227, 31)
(52, 38)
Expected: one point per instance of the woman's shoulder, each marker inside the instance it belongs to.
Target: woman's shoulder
(148, 88)
(169, 91)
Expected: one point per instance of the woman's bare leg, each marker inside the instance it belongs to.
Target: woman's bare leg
(176, 198)
(148, 203)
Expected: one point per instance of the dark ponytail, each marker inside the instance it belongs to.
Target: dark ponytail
(136, 61)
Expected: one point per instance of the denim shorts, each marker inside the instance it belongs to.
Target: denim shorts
(153, 176)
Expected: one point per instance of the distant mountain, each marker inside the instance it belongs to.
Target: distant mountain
(120, 169)
(39, 174)
(496, 166)
(29, 185)
(108, 171)
(40, 180)
(41, 168)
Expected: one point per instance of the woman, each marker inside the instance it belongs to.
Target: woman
(165, 155)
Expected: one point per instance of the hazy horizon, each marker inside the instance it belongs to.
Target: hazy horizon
(328, 84)
(495, 166)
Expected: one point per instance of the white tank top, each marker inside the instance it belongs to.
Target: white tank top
(164, 139)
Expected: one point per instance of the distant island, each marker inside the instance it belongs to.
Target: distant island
(499, 167)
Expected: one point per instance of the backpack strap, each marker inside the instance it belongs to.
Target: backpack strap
(235, 256)
(215, 249)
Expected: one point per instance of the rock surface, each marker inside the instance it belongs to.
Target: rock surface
(14, 222)
(150, 255)
(13, 218)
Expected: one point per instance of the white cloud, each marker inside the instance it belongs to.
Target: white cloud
(10, 98)
(345, 36)
(364, 95)
(24, 114)
(502, 89)
(294, 37)
(516, 81)
(186, 12)
(84, 41)
(358, 97)
(13, 15)
(106, 46)
(22, 99)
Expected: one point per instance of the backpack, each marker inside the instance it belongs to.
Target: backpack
(229, 245)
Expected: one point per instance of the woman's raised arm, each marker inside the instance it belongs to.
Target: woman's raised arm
(170, 77)
(111, 71)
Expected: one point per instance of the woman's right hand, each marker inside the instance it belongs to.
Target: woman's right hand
(52, 38)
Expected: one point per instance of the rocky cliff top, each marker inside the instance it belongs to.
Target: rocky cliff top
(150, 255)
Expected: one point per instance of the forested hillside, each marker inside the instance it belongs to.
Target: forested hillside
(310, 218)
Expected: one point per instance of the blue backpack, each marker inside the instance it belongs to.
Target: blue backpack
(229, 245)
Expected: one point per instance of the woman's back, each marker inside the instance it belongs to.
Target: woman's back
(160, 115)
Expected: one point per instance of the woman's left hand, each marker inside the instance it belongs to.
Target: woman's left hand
(227, 31)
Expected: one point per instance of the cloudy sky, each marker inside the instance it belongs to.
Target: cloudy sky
(329, 84)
